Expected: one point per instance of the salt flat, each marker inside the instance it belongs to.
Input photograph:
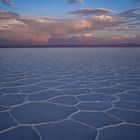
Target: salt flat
(70, 94)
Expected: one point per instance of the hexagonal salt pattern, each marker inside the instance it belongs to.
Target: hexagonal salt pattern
(70, 94)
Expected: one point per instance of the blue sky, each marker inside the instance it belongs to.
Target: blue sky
(69, 21)
(60, 8)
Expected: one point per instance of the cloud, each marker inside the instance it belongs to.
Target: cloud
(132, 13)
(108, 19)
(124, 36)
(12, 3)
(41, 31)
(92, 11)
(121, 28)
(136, 0)
(132, 16)
(75, 1)
(9, 2)
(8, 15)
(95, 40)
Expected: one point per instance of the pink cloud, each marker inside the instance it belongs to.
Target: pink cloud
(41, 31)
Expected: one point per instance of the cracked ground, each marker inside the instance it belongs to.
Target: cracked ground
(70, 94)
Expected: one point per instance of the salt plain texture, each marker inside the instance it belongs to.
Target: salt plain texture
(70, 94)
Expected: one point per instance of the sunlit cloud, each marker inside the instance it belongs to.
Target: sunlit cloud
(20, 29)
(108, 19)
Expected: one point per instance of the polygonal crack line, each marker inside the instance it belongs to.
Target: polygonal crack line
(45, 123)
(98, 133)
(47, 101)
(119, 93)
(123, 121)
(37, 132)
(44, 101)
(33, 84)
(99, 129)
(52, 87)
(48, 89)
(90, 126)
(8, 129)
(11, 87)
(23, 125)
(70, 116)
(132, 124)
(54, 97)
(4, 106)
(117, 99)
(4, 111)
(26, 97)
(61, 104)
(109, 95)
(113, 86)
(115, 95)
(136, 95)
(43, 82)
(113, 107)
(113, 116)
(81, 93)
(3, 94)
(96, 94)
(36, 124)
(129, 101)
(25, 78)
(115, 125)
(90, 93)
(132, 110)
(78, 101)
(13, 118)
(20, 86)
(18, 105)
(75, 105)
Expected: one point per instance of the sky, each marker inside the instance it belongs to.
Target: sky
(69, 22)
